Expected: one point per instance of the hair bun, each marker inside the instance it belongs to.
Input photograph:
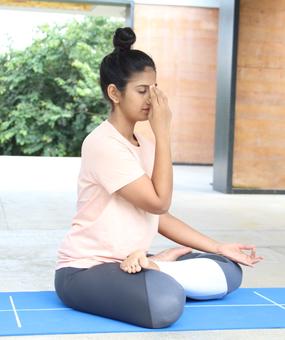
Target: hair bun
(123, 39)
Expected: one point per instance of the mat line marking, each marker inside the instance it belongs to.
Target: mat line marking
(266, 298)
(241, 305)
(186, 306)
(34, 309)
(15, 312)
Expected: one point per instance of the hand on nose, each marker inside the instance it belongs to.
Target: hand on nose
(148, 101)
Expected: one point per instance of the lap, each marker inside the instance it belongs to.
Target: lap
(149, 298)
(108, 291)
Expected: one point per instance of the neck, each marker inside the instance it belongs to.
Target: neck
(123, 125)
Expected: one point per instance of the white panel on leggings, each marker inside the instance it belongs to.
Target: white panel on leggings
(201, 278)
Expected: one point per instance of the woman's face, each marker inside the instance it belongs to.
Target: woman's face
(135, 100)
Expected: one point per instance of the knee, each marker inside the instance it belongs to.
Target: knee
(166, 298)
(232, 271)
(233, 274)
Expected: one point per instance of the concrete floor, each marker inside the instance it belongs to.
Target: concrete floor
(38, 200)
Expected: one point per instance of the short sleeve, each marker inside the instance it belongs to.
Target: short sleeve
(113, 164)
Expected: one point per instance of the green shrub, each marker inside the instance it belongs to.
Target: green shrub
(50, 97)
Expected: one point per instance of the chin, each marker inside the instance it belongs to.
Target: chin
(142, 119)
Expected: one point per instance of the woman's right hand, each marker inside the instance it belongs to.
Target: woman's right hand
(159, 115)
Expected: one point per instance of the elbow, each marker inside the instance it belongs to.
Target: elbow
(164, 209)
(161, 209)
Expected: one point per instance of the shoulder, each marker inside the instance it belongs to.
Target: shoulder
(95, 134)
(102, 140)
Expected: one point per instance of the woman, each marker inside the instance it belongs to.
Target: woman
(124, 193)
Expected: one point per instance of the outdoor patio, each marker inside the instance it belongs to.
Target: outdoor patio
(38, 200)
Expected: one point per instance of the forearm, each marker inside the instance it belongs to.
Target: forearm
(181, 233)
(162, 176)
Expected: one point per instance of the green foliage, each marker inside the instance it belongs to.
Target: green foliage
(50, 97)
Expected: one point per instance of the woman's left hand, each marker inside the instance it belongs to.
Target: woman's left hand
(235, 252)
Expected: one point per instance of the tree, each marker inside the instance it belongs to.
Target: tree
(50, 97)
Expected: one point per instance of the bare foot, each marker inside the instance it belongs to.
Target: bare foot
(147, 264)
(171, 254)
(136, 261)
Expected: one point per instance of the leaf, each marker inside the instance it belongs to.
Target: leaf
(50, 97)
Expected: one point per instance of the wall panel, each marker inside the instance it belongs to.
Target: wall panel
(259, 145)
(183, 43)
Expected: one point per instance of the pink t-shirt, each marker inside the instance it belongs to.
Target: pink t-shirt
(106, 227)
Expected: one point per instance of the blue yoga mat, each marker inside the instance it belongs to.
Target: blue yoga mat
(35, 313)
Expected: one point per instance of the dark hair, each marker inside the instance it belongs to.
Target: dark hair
(119, 66)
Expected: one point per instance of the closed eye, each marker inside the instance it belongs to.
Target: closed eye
(142, 92)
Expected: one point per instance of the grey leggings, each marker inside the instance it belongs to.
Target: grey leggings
(150, 298)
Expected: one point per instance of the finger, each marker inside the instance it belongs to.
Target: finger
(254, 260)
(253, 253)
(247, 263)
(245, 260)
(163, 97)
(153, 94)
(159, 93)
(257, 259)
(247, 247)
(158, 97)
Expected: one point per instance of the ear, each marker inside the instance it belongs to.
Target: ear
(113, 93)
